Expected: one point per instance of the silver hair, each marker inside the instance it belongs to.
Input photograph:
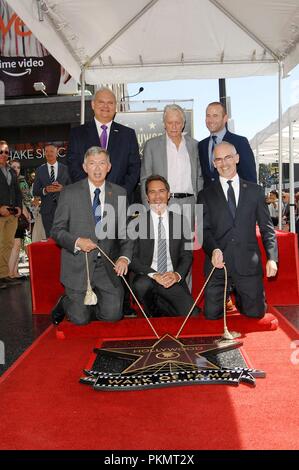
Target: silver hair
(103, 88)
(96, 151)
(233, 148)
(174, 107)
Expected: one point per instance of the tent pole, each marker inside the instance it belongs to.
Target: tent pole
(257, 161)
(82, 79)
(291, 178)
(280, 70)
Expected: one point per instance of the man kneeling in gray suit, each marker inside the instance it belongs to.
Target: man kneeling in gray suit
(92, 212)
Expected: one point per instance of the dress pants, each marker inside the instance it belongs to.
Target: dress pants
(250, 295)
(110, 299)
(8, 227)
(156, 300)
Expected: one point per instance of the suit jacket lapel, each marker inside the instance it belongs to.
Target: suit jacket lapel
(170, 235)
(109, 197)
(242, 195)
(151, 236)
(164, 164)
(113, 141)
(93, 135)
(2, 178)
(221, 196)
(87, 200)
(192, 162)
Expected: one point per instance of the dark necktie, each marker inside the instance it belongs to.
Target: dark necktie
(162, 255)
(96, 206)
(214, 142)
(231, 199)
(104, 136)
(52, 174)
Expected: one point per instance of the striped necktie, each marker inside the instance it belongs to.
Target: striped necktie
(96, 206)
(162, 254)
(52, 174)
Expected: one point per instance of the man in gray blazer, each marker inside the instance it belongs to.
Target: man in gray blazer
(175, 157)
(49, 182)
(92, 212)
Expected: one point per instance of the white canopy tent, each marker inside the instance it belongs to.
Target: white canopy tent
(147, 40)
(265, 145)
(117, 41)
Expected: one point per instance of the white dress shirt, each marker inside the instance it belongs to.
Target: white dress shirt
(178, 167)
(235, 184)
(55, 169)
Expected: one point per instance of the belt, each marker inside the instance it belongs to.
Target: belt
(181, 195)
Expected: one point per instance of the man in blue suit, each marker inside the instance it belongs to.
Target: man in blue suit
(49, 181)
(120, 141)
(216, 119)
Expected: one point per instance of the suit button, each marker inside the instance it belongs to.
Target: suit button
(233, 240)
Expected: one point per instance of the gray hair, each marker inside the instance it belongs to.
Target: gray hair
(96, 151)
(174, 107)
(232, 147)
(103, 88)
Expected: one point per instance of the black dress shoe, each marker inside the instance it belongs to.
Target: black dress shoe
(58, 312)
(10, 281)
(129, 313)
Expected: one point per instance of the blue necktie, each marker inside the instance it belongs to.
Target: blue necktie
(231, 199)
(214, 142)
(96, 206)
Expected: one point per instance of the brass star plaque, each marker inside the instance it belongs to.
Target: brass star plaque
(166, 361)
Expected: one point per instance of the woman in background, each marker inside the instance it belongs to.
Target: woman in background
(20, 232)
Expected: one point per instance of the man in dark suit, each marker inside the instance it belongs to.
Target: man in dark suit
(121, 143)
(119, 140)
(162, 255)
(49, 182)
(92, 212)
(10, 209)
(216, 119)
(231, 209)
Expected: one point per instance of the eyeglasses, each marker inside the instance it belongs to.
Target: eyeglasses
(6, 152)
(225, 159)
